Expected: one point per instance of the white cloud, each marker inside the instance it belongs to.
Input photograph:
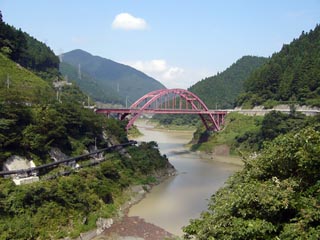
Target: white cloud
(170, 76)
(126, 21)
(153, 66)
(172, 73)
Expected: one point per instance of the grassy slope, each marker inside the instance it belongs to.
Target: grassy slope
(235, 125)
(24, 84)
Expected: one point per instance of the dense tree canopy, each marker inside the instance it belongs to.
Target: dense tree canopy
(275, 196)
(32, 120)
(272, 125)
(69, 205)
(290, 76)
(34, 130)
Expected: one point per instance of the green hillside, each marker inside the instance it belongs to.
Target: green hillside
(34, 118)
(290, 76)
(222, 89)
(122, 80)
(89, 85)
(18, 84)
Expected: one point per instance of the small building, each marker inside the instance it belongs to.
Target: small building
(19, 163)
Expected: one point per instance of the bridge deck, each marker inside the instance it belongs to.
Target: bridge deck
(159, 111)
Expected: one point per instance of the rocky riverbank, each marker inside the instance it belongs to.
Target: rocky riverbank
(134, 228)
(123, 227)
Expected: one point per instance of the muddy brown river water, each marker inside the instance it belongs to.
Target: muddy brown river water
(171, 204)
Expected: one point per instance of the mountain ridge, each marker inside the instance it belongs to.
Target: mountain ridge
(127, 82)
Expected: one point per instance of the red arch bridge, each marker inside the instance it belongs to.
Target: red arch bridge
(169, 101)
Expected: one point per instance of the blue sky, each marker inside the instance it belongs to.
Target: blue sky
(178, 42)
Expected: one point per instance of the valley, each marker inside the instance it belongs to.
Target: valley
(247, 169)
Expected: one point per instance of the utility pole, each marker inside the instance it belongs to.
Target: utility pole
(79, 71)
(8, 81)
(216, 102)
(126, 101)
(59, 95)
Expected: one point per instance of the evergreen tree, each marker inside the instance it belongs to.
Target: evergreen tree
(290, 76)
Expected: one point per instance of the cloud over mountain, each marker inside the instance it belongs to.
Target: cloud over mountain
(159, 69)
(126, 21)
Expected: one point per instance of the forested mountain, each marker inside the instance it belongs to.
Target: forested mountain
(89, 85)
(123, 80)
(290, 76)
(222, 89)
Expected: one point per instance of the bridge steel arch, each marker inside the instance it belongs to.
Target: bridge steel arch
(175, 101)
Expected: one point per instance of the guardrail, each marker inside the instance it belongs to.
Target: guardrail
(308, 112)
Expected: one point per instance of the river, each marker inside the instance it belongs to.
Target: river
(180, 198)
